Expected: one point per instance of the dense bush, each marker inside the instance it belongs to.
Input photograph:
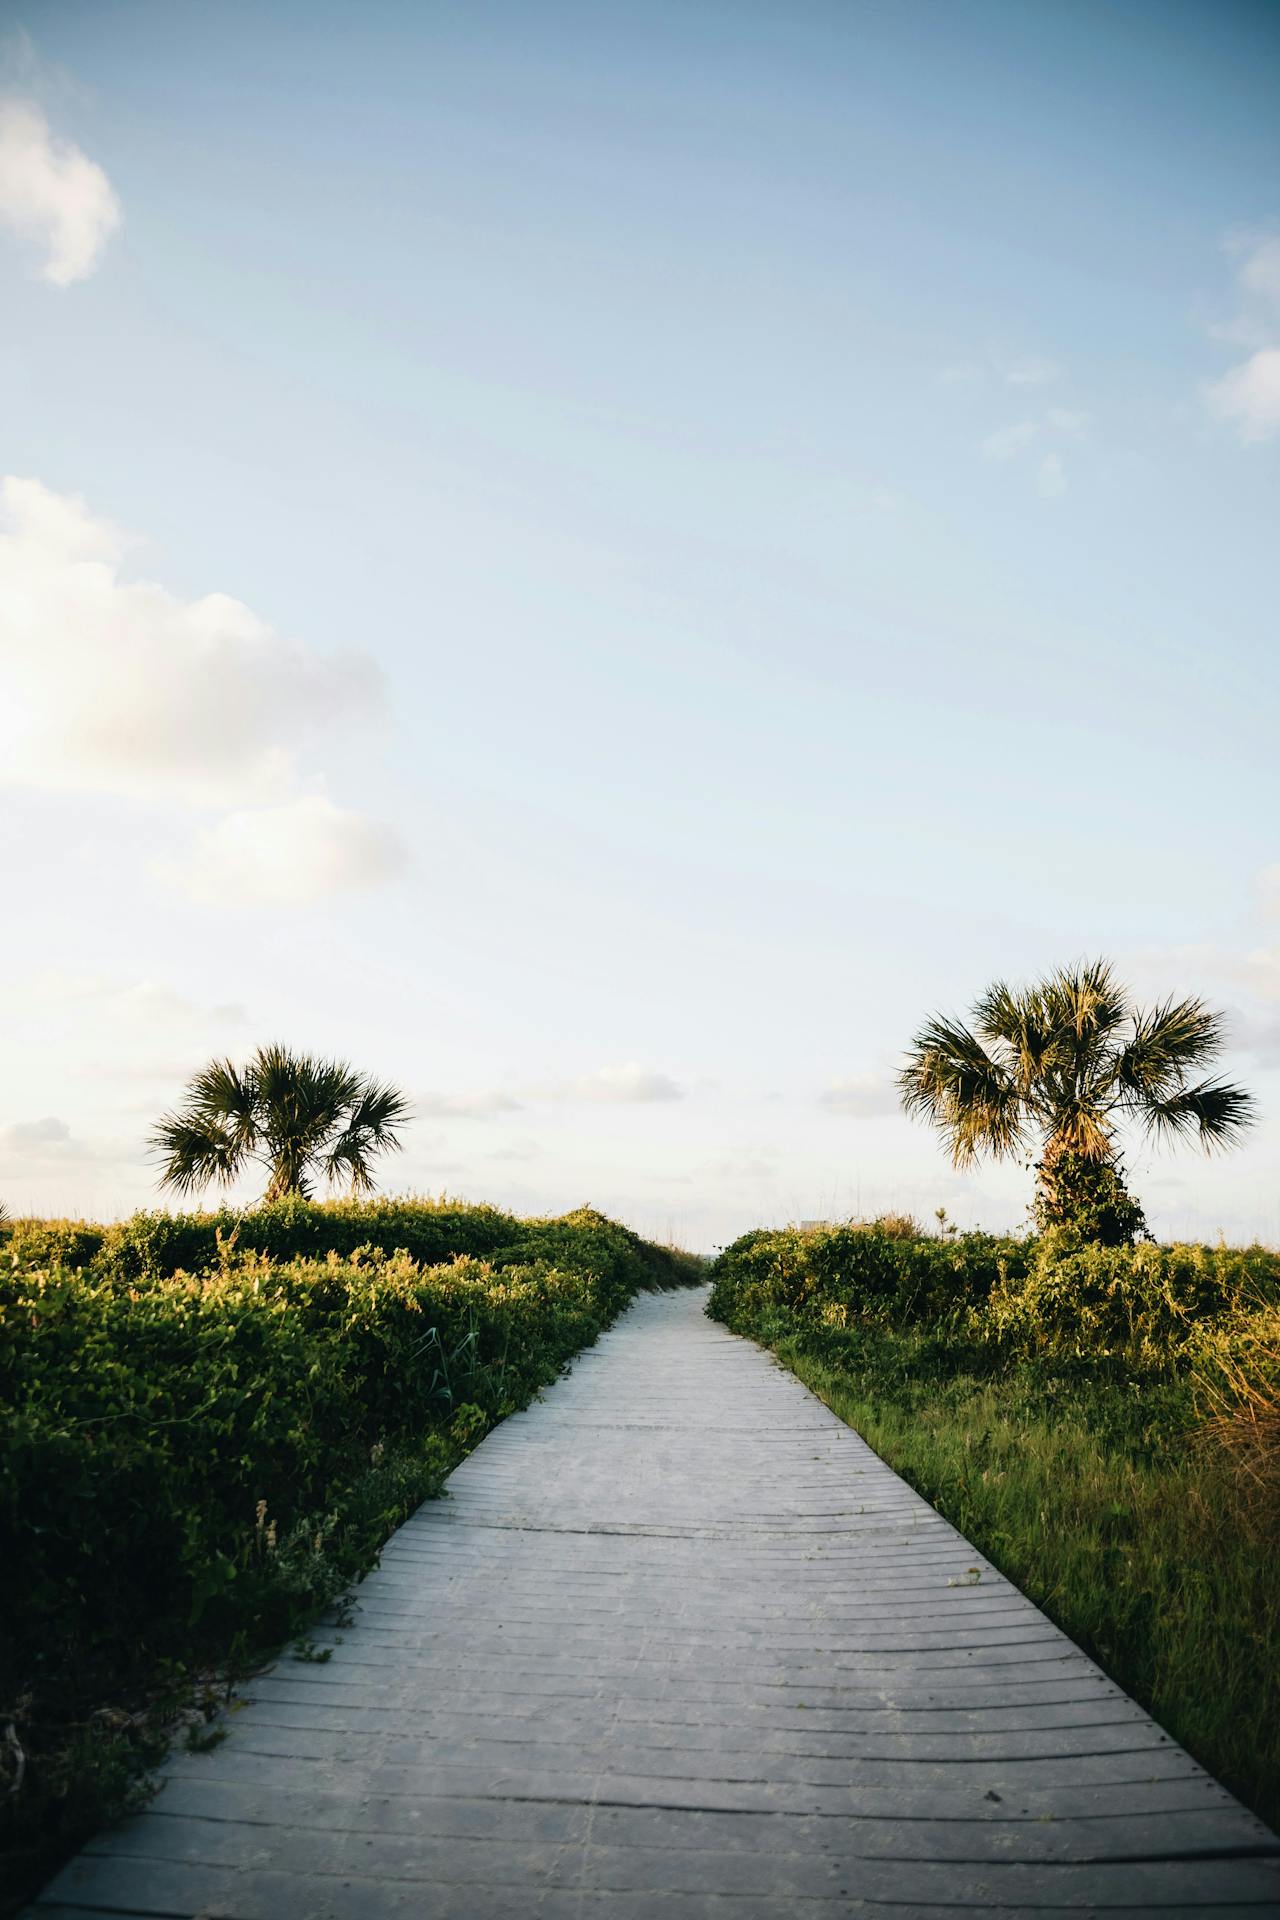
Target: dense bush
(193, 1456)
(833, 1276)
(152, 1245)
(1149, 1306)
(1142, 1307)
(67, 1243)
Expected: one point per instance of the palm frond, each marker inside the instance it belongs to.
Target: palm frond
(194, 1150)
(302, 1101)
(221, 1096)
(1167, 1042)
(370, 1128)
(1085, 1000)
(1215, 1113)
(294, 1111)
(1020, 1022)
(951, 1080)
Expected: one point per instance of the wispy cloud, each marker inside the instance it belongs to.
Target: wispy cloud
(1067, 420)
(1007, 444)
(1030, 371)
(36, 1139)
(486, 1104)
(286, 856)
(1023, 370)
(964, 374)
(1051, 477)
(1008, 441)
(52, 196)
(867, 1096)
(1247, 396)
(629, 1084)
(34, 1146)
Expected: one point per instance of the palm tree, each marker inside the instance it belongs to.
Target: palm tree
(296, 1115)
(1063, 1067)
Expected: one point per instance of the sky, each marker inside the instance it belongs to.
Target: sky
(604, 561)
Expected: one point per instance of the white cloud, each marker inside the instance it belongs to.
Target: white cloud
(118, 686)
(1260, 972)
(1051, 477)
(483, 1105)
(1008, 441)
(753, 1169)
(1248, 396)
(1259, 273)
(627, 1084)
(36, 1139)
(130, 1034)
(1067, 420)
(1031, 371)
(286, 856)
(630, 1084)
(52, 195)
(1257, 1036)
(865, 1095)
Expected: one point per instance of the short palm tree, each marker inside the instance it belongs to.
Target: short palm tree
(298, 1116)
(1060, 1069)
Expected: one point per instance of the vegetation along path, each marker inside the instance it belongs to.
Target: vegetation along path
(680, 1644)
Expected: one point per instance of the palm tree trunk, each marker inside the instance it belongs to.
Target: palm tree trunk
(1086, 1196)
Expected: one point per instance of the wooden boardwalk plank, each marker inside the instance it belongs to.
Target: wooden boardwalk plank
(680, 1645)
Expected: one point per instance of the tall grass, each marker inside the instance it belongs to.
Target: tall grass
(1117, 1461)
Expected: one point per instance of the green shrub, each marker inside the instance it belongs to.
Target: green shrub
(151, 1246)
(1140, 1307)
(52, 1243)
(833, 1276)
(1148, 1306)
(191, 1461)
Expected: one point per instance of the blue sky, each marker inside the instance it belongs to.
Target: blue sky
(728, 526)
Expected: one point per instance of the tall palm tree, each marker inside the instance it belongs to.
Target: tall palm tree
(296, 1115)
(1062, 1067)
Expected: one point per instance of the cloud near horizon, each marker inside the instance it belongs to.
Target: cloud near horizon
(486, 1104)
(52, 196)
(629, 1084)
(37, 1138)
(867, 1096)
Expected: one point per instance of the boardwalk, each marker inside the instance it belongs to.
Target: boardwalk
(680, 1646)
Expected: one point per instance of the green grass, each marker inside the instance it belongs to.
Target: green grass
(1083, 1476)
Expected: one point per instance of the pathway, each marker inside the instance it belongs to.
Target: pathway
(681, 1646)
